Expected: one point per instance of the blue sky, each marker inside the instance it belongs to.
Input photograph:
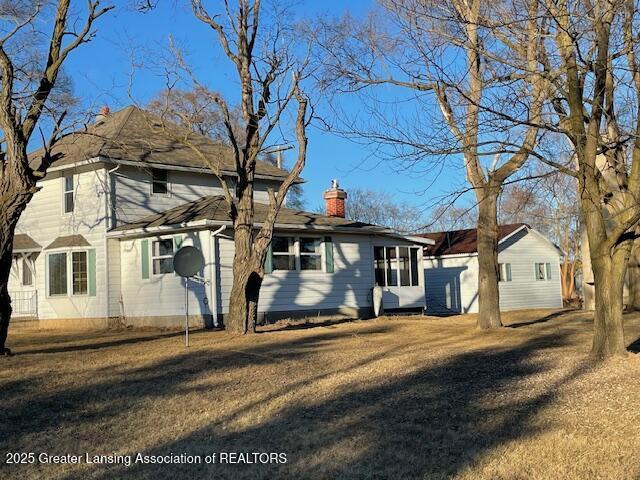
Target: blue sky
(102, 75)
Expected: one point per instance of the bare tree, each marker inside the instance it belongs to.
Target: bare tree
(24, 98)
(451, 53)
(548, 201)
(269, 77)
(593, 83)
(197, 110)
(380, 208)
(447, 217)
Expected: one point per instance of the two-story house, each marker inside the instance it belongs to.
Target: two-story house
(95, 245)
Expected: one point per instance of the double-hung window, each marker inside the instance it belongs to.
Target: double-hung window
(162, 256)
(159, 182)
(543, 271)
(68, 201)
(504, 272)
(297, 253)
(79, 273)
(310, 253)
(396, 266)
(284, 253)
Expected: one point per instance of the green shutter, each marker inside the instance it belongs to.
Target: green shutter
(144, 255)
(178, 241)
(268, 260)
(508, 267)
(92, 272)
(328, 255)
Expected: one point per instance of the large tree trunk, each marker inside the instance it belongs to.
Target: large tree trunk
(608, 334)
(245, 292)
(14, 204)
(488, 292)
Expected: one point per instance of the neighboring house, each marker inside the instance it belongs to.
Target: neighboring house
(529, 270)
(95, 245)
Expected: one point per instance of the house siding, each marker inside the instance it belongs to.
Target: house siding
(44, 221)
(133, 198)
(452, 281)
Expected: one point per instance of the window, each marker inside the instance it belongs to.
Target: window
(27, 274)
(504, 272)
(159, 182)
(310, 253)
(543, 271)
(284, 254)
(68, 192)
(396, 264)
(58, 274)
(162, 256)
(79, 273)
(378, 263)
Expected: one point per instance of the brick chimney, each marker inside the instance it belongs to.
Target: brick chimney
(104, 113)
(334, 198)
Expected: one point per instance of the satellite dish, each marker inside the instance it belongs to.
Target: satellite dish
(188, 261)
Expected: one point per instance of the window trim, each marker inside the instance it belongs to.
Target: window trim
(65, 192)
(297, 254)
(397, 265)
(508, 272)
(166, 182)
(153, 257)
(546, 270)
(69, 270)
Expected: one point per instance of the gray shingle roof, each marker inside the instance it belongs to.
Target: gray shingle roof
(136, 135)
(68, 241)
(23, 242)
(462, 241)
(215, 208)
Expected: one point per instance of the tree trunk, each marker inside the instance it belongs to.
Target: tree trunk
(608, 329)
(245, 292)
(9, 217)
(633, 277)
(488, 292)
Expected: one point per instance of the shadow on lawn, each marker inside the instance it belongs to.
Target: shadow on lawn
(97, 344)
(433, 422)
(544, 319)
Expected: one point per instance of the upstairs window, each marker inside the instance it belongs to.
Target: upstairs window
(543, 271)
(504, 272)
(396, 266)
(67, 194)
(159, 182)
(162, 256)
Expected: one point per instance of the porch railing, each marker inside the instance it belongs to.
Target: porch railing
(24, 304)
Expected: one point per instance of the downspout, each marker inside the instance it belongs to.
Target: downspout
(213, 285)
(109, 224)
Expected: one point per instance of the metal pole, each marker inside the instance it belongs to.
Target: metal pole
(186, 311)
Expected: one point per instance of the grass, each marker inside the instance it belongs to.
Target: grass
(399, 397)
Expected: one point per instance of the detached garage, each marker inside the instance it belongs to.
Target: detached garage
(529, 271)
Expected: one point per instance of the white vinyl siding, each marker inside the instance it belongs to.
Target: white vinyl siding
(521, 252)
(44, 220)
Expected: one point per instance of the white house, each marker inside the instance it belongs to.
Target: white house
(95, 245)
(529, 271)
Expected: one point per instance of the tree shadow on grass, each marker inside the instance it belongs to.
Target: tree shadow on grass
(430, 423)
(544, 319)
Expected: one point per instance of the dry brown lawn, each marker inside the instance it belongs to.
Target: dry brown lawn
(399, 397)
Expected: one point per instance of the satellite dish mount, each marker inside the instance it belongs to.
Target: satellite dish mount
(187, 262)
